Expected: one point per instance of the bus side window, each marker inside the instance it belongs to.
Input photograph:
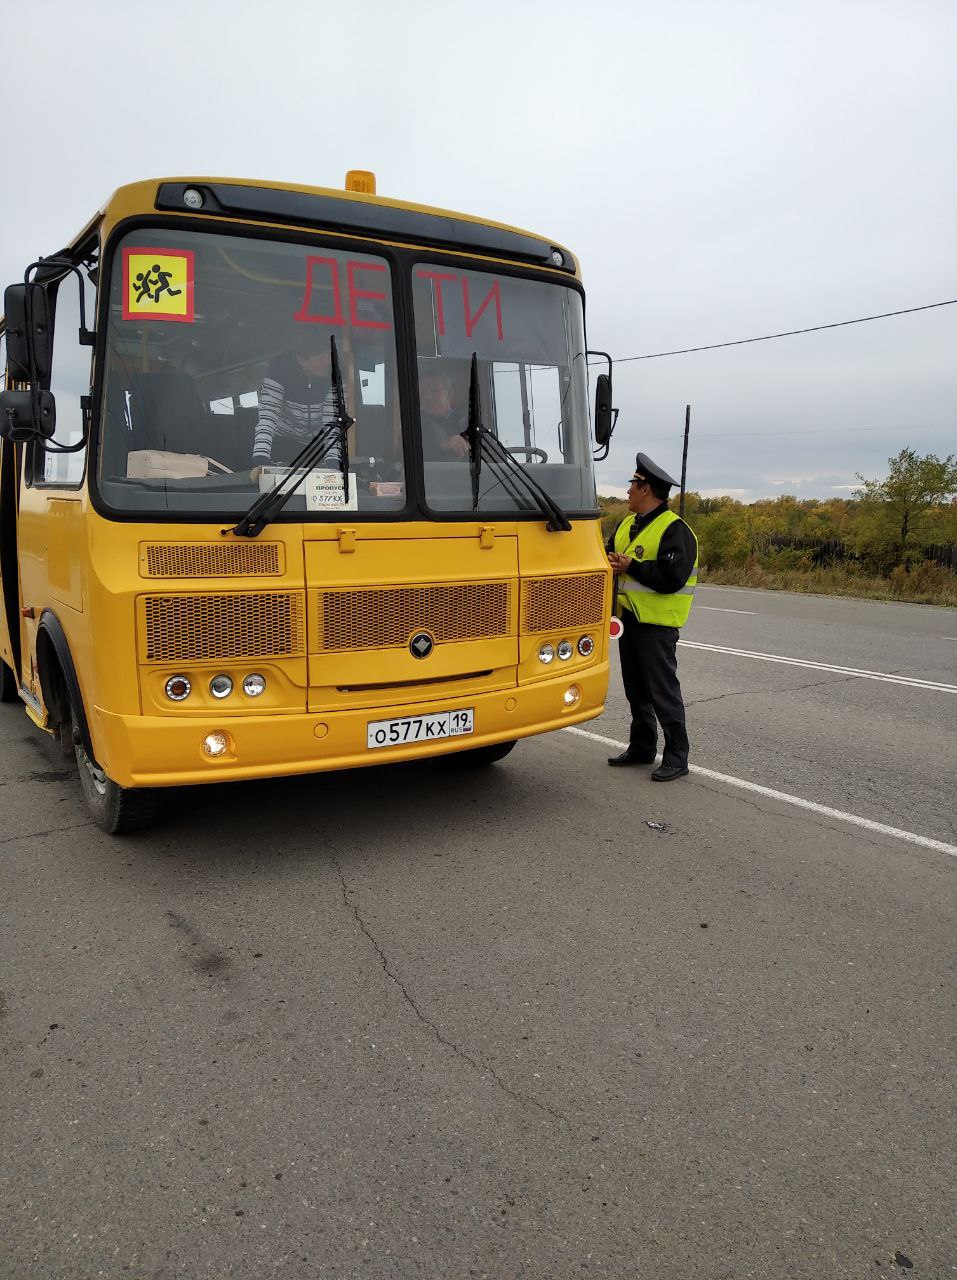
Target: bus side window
(69, 380)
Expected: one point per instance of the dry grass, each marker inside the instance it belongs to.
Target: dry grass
(929, 583)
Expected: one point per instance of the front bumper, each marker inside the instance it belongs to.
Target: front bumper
(166, 751)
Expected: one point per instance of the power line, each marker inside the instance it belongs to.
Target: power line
(814, 431)
(788, 333)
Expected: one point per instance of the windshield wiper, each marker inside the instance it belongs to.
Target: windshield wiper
(269, 504)
(342, 420)
(558, 522)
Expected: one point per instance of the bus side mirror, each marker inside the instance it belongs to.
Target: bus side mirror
(27, 415)
(27, 325)
(604, 414)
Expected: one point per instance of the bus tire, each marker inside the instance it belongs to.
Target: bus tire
(114, 809)
(479, 757)
(8, 683)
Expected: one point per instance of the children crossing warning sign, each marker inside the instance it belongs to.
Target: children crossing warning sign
(158, 284)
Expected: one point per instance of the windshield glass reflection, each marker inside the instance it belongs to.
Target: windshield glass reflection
(528, 338)
(218, 373)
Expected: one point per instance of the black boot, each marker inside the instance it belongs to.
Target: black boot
(668, 772)
(631, 756)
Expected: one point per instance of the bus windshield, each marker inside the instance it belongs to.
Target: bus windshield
(217, 373)
(528, 340)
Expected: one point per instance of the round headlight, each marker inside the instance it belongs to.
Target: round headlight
(565, 650)
(177, 688)
(572, 695)
(586, 646)
(253, 685)
(220, 686)
(215, 743)
(546, 654)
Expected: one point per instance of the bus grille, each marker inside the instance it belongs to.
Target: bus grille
(555, 603)
(373, 618)
(211, 560)
(197, 628)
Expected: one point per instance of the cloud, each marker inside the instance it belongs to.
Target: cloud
(804, 194)
(725, 493)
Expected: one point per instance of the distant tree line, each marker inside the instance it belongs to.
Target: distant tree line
(889, 528)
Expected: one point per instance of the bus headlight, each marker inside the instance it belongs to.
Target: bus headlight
(565, 650)
(586, 646)
(221, 686)
(546, 654)
(254, 685)
(177, 688)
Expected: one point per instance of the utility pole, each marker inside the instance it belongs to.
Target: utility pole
(684, 460)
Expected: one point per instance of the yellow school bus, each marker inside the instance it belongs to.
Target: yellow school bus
(296, 479)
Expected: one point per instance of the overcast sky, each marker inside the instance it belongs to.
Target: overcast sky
(722, 169)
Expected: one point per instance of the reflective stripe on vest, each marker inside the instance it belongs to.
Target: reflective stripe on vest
(648, 605)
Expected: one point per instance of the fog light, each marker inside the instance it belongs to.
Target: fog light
(572, 695)
(177, 688)
(546, 654)
(253, 685)
(565, 650)
(216, 743)
(586, 646)
(220, 686)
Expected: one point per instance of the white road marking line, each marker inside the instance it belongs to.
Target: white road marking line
(713, 608)
(910, 836)
(911, 681)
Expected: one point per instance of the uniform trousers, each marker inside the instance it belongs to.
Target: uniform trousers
(649, 672)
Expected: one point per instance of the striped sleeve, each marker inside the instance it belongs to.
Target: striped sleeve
(270, 415)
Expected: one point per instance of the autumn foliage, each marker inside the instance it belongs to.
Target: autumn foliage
(894, 539)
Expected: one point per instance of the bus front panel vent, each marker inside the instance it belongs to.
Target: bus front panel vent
(211, 559)
(377, 618)
(550, 604)
(216, 627)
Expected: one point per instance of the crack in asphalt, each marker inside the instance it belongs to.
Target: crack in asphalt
(791, 688)
(54, 831)
(482, 1068)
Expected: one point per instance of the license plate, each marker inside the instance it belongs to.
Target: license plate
(441, 724)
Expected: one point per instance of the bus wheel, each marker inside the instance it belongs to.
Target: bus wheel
(8, 684)
(114, 808)
(479, 757)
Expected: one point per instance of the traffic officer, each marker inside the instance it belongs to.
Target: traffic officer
(655, 558)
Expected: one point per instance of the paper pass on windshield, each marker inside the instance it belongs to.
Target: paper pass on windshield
(324, 492)
(158, 284)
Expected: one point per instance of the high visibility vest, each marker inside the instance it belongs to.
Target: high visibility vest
(647, 605)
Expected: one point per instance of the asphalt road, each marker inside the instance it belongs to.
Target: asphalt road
(413, 1022)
